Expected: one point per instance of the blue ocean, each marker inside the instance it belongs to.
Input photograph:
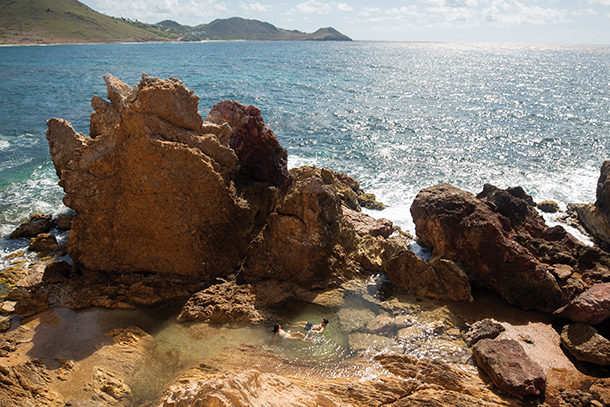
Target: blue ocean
(398, 117)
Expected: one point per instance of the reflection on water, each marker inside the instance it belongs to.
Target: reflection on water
(371, 319)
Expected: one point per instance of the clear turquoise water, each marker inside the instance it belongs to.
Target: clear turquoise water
(397, 116)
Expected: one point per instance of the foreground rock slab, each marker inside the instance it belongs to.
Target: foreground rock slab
(509, 367)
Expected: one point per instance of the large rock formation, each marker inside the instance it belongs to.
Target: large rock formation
(596, 217)
(157, 189)
(464, 229)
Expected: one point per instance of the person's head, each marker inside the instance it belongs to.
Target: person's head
(324, 322)
(276, 328)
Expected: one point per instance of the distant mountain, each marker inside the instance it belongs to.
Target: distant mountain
(237, 28)
(70, 21)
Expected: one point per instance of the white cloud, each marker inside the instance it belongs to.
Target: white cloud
(585, 12)
(344, 7)
(314, 7)
(513, 12)
(153, 11)
(602, 2)
(254, 7)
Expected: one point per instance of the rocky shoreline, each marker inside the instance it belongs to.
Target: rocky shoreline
(169, 208)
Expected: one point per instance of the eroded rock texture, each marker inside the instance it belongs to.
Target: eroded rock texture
(154, 186)
(503, 243)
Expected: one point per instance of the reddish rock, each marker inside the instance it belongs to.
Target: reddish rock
(603, 189)
(261, 157)
(155, 189)
(509, 367)
(464, 229)
(484, 329)
(590, 307)
(595, 218)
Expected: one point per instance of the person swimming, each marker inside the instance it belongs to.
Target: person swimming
(310, 327)
(294, 336)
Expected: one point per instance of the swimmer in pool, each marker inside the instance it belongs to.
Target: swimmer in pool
(310, 327)
(294, 336)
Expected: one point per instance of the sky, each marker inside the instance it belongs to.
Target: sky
(529, 21)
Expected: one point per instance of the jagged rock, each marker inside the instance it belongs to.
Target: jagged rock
(56, 272)
(299, 243)
(590, 307)
(595, 218)
(5, 323)
(600, 389)
(464, 229)
(63, 221)
(509, 367)
(245, 388)
(584, 343)
(484, 329)
(261, 158)
(603, 188)
(341, 186)
(367, 225)
(573, 398)
(38, 223)
(44, 242)
(32, 304)
(438, 279)
(548, 206)
(27, 385)
(153, 187)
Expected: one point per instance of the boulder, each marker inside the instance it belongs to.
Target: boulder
(509, 367)
(590, 307)
(32, 304)
(342, 184)
(462, 228)
(156, 189)
(584, 343)
(44, 242)
(367, 225)
(38, 223)
(484, 329)
(548, 206)
(300, 242)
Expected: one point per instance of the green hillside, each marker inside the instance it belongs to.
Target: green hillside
(70, 21)
(237, 28)
(63, 21)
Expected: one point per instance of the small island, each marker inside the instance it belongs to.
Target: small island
(70, 21)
